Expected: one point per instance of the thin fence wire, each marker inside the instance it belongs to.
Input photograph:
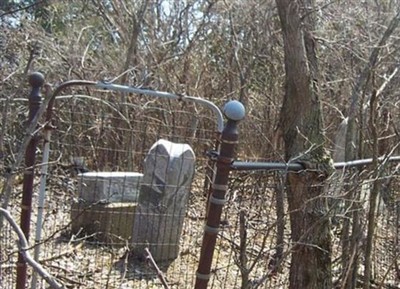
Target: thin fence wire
(8, 256)
(111, 133)
(108, 135)
(247, 242)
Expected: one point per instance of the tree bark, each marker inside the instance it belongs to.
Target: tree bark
(302, 127)
(351, 242)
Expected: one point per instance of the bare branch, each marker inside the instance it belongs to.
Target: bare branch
(23, 248)
(153, 263)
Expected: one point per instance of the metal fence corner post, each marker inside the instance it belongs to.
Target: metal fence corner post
(234, 112)
(36, 81)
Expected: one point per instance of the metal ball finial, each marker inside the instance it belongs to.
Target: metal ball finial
(234, 110)
(36, 79)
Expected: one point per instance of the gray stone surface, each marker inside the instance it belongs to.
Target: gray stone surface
(110, 223)
(108, 187)
(168, 174)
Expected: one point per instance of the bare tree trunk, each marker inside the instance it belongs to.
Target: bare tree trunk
(350, 243)
(280, 224)
(362, 82)
(373, 194)
(301, 122)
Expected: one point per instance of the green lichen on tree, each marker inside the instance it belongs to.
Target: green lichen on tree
(317, 160)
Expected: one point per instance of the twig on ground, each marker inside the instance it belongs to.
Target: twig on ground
(153, 263)
(125, 263)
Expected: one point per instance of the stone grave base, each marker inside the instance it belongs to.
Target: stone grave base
(110, 223)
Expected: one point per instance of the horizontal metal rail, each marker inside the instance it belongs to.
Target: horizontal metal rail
(266, 166)
(161, 94)
(130, 89)
(297, 166)
(363, 162)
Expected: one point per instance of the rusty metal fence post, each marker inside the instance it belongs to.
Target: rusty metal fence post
(234, 112)
(36, 80)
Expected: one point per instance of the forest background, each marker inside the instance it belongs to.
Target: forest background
(217, 50)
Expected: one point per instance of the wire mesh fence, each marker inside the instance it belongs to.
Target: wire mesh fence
(8, 256)
(127, 190)
(112, 136)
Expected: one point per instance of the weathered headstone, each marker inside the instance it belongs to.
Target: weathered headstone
(168, 174)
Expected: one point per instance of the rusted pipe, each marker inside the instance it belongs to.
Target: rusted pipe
(234, 111)
(57, 91)
(36, 80)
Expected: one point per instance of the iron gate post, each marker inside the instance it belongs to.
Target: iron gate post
(36, 80)
(234, 112)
